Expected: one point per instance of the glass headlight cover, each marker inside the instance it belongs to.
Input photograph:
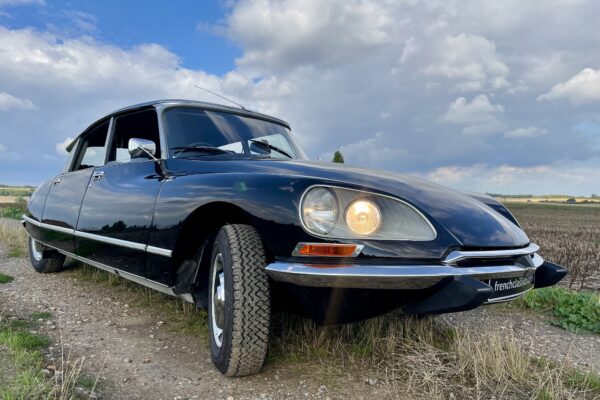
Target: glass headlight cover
(364, 215)
(319, 210)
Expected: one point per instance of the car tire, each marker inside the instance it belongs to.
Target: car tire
(43, 260)
(239, 301)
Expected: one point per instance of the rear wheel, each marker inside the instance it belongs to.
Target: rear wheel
(44, 260)
(239, 303)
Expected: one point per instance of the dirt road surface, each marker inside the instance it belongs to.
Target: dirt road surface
(137, 356)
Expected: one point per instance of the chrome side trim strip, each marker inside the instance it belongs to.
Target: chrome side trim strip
(507, 298)
(158, 250)
(456, 256)
(127, 275)
(39, 224)
(104, 239)
(109, 240)
(388, 276)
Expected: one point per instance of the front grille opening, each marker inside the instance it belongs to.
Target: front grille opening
(483, 261)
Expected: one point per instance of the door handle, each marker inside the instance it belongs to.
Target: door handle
(56, 181)
(98, 175)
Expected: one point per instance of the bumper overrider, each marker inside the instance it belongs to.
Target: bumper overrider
(463, 280)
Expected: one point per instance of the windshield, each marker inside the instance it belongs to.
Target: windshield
(194, 132)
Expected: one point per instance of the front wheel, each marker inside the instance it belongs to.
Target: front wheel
(239, 303)
(43, 259)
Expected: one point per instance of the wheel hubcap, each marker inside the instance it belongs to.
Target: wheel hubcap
(218, 299)
(36, 250)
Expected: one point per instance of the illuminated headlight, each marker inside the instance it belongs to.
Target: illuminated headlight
(320, 210)
(365, 215)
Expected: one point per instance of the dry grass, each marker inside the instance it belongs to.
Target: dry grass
(14, 237)
(420, 359)
(567, 235)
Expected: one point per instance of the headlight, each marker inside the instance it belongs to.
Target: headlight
(365, 216)
(320, 210)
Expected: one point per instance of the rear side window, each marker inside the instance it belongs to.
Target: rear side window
(139, 125)
(92, 151)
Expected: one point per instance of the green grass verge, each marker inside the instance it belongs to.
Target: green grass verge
(6, 278)
(12, 212)
(573, 311)
(22, 359)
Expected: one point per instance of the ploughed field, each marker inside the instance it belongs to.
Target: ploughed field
(568, 235)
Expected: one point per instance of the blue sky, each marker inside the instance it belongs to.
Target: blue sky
(475, 94)
(176, 26)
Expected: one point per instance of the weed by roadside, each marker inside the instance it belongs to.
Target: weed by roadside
(6, 278)
(14, 237)
(26, 373)
(419, 358)
(573, 311)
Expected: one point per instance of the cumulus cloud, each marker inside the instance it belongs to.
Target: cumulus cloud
(61, 147)
(469, 60)
(8, 102)
(294, 33)
(582, 88)
(478, 116)
(396, 85)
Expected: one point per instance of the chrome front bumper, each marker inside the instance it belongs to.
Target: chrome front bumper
(409, 276)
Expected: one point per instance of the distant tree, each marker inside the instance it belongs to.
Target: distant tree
(594, 196)
(571, 201)
(338, 157)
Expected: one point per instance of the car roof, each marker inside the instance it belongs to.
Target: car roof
(187, 103)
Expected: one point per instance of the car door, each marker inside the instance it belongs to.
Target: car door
(67, 190)
(118, 207)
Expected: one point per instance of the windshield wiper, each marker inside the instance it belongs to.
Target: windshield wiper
(271, 147)
(201, 149)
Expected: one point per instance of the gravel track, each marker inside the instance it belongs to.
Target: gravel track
(143, 358)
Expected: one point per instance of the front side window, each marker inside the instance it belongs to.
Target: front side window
(70, 156)
(92, 151)
(194, 132)
(138, 125)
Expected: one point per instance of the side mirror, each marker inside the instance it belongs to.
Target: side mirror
(141, 147)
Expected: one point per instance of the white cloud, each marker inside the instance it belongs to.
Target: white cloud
(582, 88)
(372, 150)
(531, 131)
(283, 34)
(575, 178)
(478, 116)
(325, 67)
(61, 147)
(83, 21)
(9, 102)
(7, 154)
(469, 60)
(20, 2)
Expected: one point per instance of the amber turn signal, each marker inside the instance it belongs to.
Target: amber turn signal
(327, 250)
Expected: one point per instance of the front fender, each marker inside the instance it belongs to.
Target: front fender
(271, 203)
